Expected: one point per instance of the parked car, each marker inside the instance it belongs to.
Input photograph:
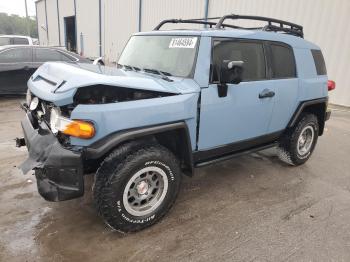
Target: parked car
(179, 100)
(18, 63)
(15, 40)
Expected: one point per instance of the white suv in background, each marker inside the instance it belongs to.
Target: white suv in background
(15, 40)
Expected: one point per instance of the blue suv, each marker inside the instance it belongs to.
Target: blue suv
(177, 100)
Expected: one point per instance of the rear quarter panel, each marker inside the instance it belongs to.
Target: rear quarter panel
(311, 85)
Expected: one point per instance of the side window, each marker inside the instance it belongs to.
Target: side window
(251, 53)
(66, 58)
(20, 41)
(17, 55)
(282, 61)
(5, 41)
(319, 62)
(47, 55)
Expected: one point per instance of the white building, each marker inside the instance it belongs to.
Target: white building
(102, 27)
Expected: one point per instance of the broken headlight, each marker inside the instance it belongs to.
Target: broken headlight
(34, 103)
(28, 97)
(76, 128)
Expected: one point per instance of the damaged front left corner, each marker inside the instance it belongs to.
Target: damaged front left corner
(58, 171)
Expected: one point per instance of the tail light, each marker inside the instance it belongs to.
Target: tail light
(331, 85)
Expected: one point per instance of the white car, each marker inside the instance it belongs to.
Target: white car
(15, 40)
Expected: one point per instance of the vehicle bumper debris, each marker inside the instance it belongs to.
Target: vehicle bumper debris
(58, 171)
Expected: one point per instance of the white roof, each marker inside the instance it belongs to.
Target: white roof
(21, 36)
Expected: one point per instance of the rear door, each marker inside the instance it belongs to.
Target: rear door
(15, 70)
(243, 115)
(284, 82)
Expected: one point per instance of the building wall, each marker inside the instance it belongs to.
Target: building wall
(119, 21)
(154, 11)
(66, 8)
(88, 27)
(52, 21)
(41, 20)
(325, 23)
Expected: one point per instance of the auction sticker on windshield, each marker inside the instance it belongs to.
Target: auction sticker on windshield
(183, 42)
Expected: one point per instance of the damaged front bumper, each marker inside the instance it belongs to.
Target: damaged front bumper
(58, 171)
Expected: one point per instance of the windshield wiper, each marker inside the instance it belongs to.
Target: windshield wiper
(159, 72)
(128, 67)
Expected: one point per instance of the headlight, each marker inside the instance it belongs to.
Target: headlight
(54, 120)
(76, 128)
(34, 103)
(28, 97)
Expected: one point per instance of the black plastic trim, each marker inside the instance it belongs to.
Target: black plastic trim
(106, 144)
(328, 115)
(236, 154)
(302, 106)
(227, 151)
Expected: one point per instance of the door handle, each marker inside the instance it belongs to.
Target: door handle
(266, 93)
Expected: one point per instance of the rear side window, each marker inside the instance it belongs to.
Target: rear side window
(16, 55)
(282, 61)
(319, 62)
(5, 41)
(251, 53)
(20, 41)
(47, 55)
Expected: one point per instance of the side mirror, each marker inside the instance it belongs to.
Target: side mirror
(230, 72)
(98, 61)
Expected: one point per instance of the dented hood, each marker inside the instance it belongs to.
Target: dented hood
(56, 81)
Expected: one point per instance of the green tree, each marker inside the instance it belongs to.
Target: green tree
(16, 25)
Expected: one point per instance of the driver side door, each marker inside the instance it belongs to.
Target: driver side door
(241, 118)
(15, 70)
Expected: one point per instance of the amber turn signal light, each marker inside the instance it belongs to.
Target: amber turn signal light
(80, 129)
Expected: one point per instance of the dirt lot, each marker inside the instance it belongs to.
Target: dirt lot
(252, 208)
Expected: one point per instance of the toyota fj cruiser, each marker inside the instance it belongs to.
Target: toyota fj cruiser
(178, 100)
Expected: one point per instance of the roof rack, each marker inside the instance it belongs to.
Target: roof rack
(273, 25)
(201, 21)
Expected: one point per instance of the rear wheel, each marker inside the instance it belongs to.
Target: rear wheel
(139, 190)
(298, 143)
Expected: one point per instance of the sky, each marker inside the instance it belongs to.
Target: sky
(17, 7)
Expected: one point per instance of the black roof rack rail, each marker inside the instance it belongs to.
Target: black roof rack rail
(274, 25)
(201, 21)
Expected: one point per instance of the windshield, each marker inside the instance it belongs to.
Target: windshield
(168, 55)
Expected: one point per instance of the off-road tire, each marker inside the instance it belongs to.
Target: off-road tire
(287, 147)
(116, 171)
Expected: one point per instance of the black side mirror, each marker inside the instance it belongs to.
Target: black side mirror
(230, 72)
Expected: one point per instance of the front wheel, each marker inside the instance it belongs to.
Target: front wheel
(139, 190)
(298, 143)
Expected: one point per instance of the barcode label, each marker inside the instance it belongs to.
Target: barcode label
(183, 42)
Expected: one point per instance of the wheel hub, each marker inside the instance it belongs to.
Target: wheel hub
(305, 140)
(145, 191)
(142, 187)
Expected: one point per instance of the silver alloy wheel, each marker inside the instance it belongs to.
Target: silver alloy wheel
(145, 191)
(305, 140)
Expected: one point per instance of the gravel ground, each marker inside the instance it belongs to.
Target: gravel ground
(251, 208)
